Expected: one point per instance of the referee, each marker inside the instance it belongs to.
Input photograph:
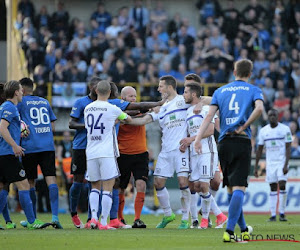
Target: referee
(240, 104)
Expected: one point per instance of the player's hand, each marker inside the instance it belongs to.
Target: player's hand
(240, 129)
(256, 173)
(186, 142)
(198, 147)
(18, 151)
(285, 170)
(182, 148)
(156, 109)
(198, 108)
(27, 132)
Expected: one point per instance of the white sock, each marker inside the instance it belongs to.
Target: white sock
(185, 202)
(193, 208)
(282, 201)
(206, 204)
(164, 200)
(94, 202)
(214, 207)
(213, 192)
(106, 206)
(273, 202)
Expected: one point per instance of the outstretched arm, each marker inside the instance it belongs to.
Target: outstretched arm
(144, 105)
(140, 121)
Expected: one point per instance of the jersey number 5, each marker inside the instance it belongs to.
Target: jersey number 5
(95, 125)
(234, 105)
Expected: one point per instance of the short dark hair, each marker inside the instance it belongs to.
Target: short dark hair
(273, 110)
(193, 76)
(26, 82)
(169, 80)
(94, 81)
(243, 68)
(195, 88)
(114, 91)
(10, 88)
(2, 97)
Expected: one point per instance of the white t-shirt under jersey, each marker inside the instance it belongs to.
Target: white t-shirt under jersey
(194, 122)
(99, 119)
(171, 118)
(274, 140)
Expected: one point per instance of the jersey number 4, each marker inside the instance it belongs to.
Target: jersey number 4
(234, 105)
(95, 125)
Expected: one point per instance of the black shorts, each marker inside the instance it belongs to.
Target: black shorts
(78, 165)
(11, 169)
(135, 164)
(235, 160)
(45, 159)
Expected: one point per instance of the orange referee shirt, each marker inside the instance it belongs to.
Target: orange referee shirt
(132, 139)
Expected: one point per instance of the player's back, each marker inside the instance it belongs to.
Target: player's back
(9, 112)
(99, 118)
(36, 112)
(236, 103)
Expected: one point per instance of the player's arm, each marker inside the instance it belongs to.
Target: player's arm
(144, 105)
(18, 150)
(124, 117)
(53, 126)
(287, 157)
(206, 122)
(132, 112)
(259, 107)
(205, 100)
(258, 156)
(139, 121)
(74, 124)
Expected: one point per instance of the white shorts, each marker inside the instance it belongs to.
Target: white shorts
(102, 169)
(203, 167)
(275, 174)
(173, 161)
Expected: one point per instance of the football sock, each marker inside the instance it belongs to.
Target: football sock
(3, 200)
(53, 195)
(205, 201)
(75, 191)
(33, 199)
(5, 214)
(273, 202)
(115, 204)
(235, 209)
(214, 207)
(164, 200)
(100, 204)
(185, 202)
(94, 203)
(241, 221)
(282, 201)
(121, 206)
(213, 192)
(89, 209)
(26, 205)
(106, 206)
(138, 204)
(193, 208)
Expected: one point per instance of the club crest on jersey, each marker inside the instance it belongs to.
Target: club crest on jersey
(74, 167)
(22, 173)
(172, 117)
(273, 143)
(179, 104)
(191, 122)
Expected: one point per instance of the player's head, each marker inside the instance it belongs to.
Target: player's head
(27, 85)
(103, 89)
(92, 85)
(243, 68)
(167, 85)
(128, 94)
(13, 89)
(2, 97)
(273, 116)
(114, 91)
(192, 78)
(192, 91)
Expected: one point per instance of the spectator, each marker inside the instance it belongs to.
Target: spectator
(43, 19)
(260, 63)
(140, 16)
(40, 77)
(281, 103)
(158, 16)
(124, 20)
(82, 42)
(180, 58)
(26, 7)
(208, 8)
(59, 75)
(34, 55)
(188, 41)
(94, 69)
(258, 8)
(154, 39)
(174, 25)
(60, 18)
(295, 150)
(113, 30)
(167, 70)
(102, 17)
(268, 90)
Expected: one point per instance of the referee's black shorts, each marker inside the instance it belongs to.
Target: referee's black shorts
(136, 164)
(235, 160)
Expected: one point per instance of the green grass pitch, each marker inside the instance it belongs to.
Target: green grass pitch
(150, 238)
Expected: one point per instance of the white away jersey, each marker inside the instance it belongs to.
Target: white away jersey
(171, 119)
(99, 120)
(274, 140)
(194, 122)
